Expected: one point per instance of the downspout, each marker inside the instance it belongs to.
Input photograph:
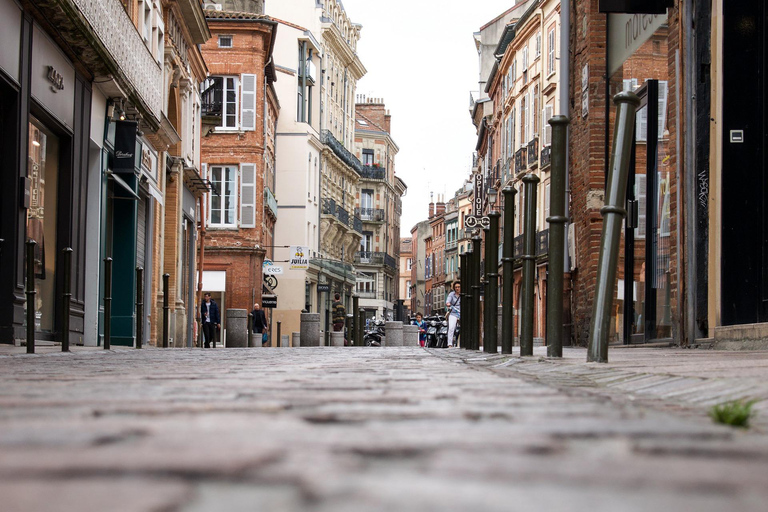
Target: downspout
(201, 232)
(564, 90)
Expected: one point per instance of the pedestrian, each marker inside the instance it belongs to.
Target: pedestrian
(260, 324)
(422, 325)
(339, 313)
(453, 306)
(209, 312)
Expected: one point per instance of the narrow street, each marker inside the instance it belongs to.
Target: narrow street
(354, 429)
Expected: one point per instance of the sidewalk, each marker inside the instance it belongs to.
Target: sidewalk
(342, 429)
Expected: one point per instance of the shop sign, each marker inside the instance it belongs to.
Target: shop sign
(272, 269)
(627, 33)
(149, 161)
(636, 6)
(269, 301)
(125, 146)
(323, 288)
(299, 258)
(56, 79)
(477, 195)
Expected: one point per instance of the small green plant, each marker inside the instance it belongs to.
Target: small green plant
(735, 414)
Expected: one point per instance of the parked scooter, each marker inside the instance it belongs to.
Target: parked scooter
(437, 331)
(374, 333)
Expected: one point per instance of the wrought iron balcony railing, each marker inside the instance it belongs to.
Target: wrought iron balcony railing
(518, 246)
(521, 160)
(546, 157)
(533, 152)
(327, 138)
(370, 214)
(270, 201)
(542, 243)
(370, 172)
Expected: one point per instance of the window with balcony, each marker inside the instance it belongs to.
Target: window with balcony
(367, 157)
(231, 98)
(523, 119)
(547, 132)
(408, 288)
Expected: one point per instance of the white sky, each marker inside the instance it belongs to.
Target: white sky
(421, 59)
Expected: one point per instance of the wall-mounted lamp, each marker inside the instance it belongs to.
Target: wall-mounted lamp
(492, 195)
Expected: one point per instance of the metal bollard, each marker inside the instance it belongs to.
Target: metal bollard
(556, 220)
(167, 310)
(279, 334)
(476, 292)
(361, 327)
(464, 297)
(467, 316)
(66, 298)
(613, 215)
(139, 306)
(355, 307)
(492, 280)
(107, 303)
(348, 326)
(531, 181)
(31, 293)
(508, 276)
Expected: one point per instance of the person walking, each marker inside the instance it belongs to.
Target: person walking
(209, 312)
(422, 325)
(453, 305)
(260, 325)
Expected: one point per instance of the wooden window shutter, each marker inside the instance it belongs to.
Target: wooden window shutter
(248, 102)
(247, 195)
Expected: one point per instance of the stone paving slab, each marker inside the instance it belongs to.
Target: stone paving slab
(341, 429)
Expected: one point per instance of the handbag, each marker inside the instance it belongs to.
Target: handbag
(264, 337)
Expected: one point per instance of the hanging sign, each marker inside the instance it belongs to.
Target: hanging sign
(298, 258)
(270, 268)
(125, 146)
(268, 301)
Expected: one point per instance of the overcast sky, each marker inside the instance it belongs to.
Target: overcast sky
(421, 59)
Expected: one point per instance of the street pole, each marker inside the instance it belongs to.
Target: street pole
(507, 303)
(467, 318)
(66, 298)
(613, 215)
(31, 293)
(557, 220)
(107, 303)
(530, 181)
(139, 306)
(464, 297)
(167, 311)
(476, 292)
(490, 343)
(354, 331)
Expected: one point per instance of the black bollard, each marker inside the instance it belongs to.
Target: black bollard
(468, 317)
(31, 293)
(531, 181)
(361, 327)
(279, 334)
(491, 343)
(557, 220)
(107, 303)
(463, 297)
(355, 307)
(477, 288)
(139, 306)
(613, 215)
(167, 311)
(249, 331)
(66, 298)
(508, 276)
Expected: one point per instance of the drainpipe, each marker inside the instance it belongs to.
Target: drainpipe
(564, 89)
(201, 232)
(688, 325)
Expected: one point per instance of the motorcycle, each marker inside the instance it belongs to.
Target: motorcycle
(437, 332)
(374, 333)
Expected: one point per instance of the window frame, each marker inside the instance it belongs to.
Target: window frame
(222, 194)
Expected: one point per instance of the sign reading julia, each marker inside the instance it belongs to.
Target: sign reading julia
(298, 258)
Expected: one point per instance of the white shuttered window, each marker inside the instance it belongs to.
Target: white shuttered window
(247, 195)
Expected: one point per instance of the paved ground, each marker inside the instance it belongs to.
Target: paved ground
(359, 429)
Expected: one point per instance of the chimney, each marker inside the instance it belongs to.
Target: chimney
(431, 206)
(440, 207)
(388, 122)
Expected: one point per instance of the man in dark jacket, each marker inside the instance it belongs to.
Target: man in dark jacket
(260, 326)
(209, 313)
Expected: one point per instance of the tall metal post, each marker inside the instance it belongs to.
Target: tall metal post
(613, 215)
(31, 293)
(556, 220)
(167, 311)
(508, 277)
(467, 310)
(531, 182)
(361, 327)
(107, 303)
(279, 334)
(355, 308)
(476, 292)
(490, 343)
(139, 306)
(66, 298)
(463, 297)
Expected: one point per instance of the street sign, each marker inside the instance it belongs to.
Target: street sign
(269, 301)
(323, 287)
(476, 221)
(298, 258)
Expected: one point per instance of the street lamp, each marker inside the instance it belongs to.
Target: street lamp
(492, 196)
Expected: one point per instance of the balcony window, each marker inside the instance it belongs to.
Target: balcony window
(367, 157)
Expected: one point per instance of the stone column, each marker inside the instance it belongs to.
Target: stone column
(410, 336)
(337, 339)
(237, 328)
(310, 329)
(295, 340)
(394, 334)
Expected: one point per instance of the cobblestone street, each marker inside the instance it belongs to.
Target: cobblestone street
(353, 429)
